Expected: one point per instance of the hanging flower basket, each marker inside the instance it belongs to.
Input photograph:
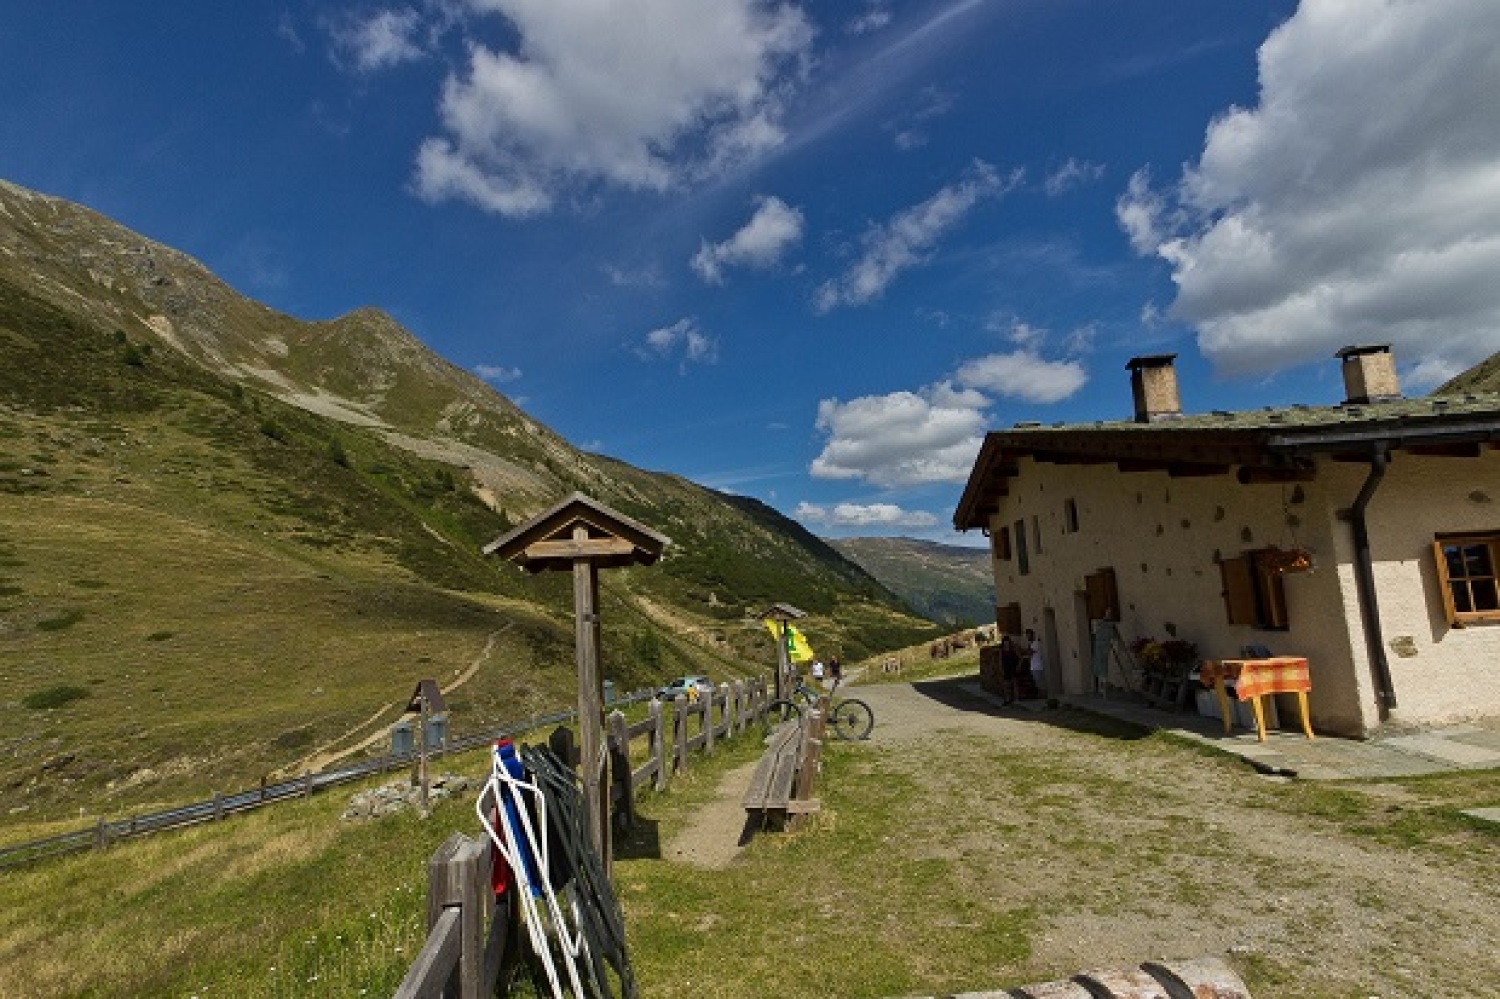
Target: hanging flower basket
(1288, 560)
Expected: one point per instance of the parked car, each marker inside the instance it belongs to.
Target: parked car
(679, 686)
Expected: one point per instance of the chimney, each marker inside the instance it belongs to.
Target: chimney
(1153, 384)
(1369, 374)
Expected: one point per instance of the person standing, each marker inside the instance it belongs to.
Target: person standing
(1037, 668)
(1010, 672)
(817, 672)
(835, 671)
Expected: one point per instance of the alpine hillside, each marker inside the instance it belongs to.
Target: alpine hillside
(950, 584)
(231, 541)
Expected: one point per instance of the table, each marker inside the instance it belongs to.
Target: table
(1253, 679)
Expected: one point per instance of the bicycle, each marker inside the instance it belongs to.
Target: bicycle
(850, 718)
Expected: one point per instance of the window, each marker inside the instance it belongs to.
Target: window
(1466, 567)
(1253, 591)
(1000, 544)
(1036, 535)
(1023, 564)
(1008, 619)
(1070, 517)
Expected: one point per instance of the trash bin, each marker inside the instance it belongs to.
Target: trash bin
(401, 739)
(609, 692)
(437, 731)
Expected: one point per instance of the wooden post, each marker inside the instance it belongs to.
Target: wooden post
(422, 750)
(679, 733)
(708, 724)
(218, 806)
(620, 770)
(590, 698)
(456, 878)
(783, 664)
(659, 743)
(732, 705)
(101, 834)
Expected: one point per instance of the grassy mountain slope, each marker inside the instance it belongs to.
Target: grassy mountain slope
(947, 583)
(229, 538)
(1482, 377)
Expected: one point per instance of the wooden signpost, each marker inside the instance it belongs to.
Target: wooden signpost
(781, 615)
(426, 701)
(581, 535)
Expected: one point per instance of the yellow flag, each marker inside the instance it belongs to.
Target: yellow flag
(797, 649)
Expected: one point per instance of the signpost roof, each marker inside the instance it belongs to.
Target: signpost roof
(781, 612)
(549, 540)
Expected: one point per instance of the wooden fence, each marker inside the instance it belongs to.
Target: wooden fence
(467, 937)
(105, 832)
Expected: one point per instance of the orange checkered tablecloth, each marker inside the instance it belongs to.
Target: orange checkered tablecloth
(1254, 677)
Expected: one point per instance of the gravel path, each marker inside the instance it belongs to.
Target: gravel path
(1130, 850)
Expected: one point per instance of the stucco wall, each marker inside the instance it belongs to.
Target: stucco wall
(1440, 673)
(1162, 537)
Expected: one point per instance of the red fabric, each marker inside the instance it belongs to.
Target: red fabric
(1254, 677)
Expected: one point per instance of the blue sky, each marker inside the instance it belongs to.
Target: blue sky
(808, 252)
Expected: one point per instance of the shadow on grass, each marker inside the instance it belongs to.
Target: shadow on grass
(642, 841)
(956, 692)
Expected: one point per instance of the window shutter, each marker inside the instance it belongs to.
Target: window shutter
(1445, 585)
(1008, 619)
(1272, 593)
(1239, 590)
(1103, 599)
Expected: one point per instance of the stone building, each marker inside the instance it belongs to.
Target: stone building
(1364, 536)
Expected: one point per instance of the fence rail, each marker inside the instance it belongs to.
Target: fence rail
(106, 831)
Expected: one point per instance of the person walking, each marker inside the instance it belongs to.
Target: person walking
(835, 671)
(1037, 668)
(1010, 672)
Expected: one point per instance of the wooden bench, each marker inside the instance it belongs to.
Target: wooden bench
(781, 784)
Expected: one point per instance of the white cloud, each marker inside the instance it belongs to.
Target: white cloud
(908, 238)
(1023, 374)
(902, 439)
(1073, 173)
(773, 228)
(646, 96)
(1358, 201)
(497, 374)
(682, 340)
(863, 515)
(646, 276)
(384, 39)
(876, 15)
(909, 130)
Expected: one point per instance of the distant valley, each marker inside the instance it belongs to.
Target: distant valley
(950, 584)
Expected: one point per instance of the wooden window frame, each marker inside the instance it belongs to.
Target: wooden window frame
(1070, 516)
(1447, 583)
(1008, 619)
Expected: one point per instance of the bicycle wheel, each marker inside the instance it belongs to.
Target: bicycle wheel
(852, 719)
(777, 713)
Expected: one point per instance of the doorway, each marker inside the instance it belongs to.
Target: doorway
(1051, 654)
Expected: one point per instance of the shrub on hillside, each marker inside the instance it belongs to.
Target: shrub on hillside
(54, 697)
